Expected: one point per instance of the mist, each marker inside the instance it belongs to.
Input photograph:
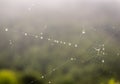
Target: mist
(59, 41)
(75, 10)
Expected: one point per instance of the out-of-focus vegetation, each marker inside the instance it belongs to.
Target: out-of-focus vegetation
(25, 59)
(8, 77)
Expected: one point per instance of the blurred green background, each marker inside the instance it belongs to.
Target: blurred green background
(27, 59)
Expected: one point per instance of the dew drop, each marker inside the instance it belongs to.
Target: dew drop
(41, 37)
(97, 49)
(42, 77)
(103, 61)
(49, 39)
(83, 31)
(103, 53)
(57, 41)
(6, 29)
(69, 44)
(64, 42)
(76, 45)
(71, 59)
(49, 82)
(26, 34)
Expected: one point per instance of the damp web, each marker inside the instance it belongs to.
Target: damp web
(97, 49)
(96, 52)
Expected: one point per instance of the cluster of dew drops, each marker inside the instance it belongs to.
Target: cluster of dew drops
(41, 37)
(98, 50)
(49, 39)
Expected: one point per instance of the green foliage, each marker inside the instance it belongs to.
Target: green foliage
(29, 54)
(111, 81)
(8, 77)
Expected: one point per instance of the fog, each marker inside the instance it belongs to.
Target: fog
(81, 10)
(59, 41)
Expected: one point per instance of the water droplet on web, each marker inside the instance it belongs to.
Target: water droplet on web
(41, 37)
(103, 61)
(71, 59)
(83, 32)
(76, 45)
(26, 34)
(103, 48)
(49, 39)
(6, 29)
(64, 42)
(49, 82)
(69, 44)
(97, 49)
(57, 41)
(42, 77)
